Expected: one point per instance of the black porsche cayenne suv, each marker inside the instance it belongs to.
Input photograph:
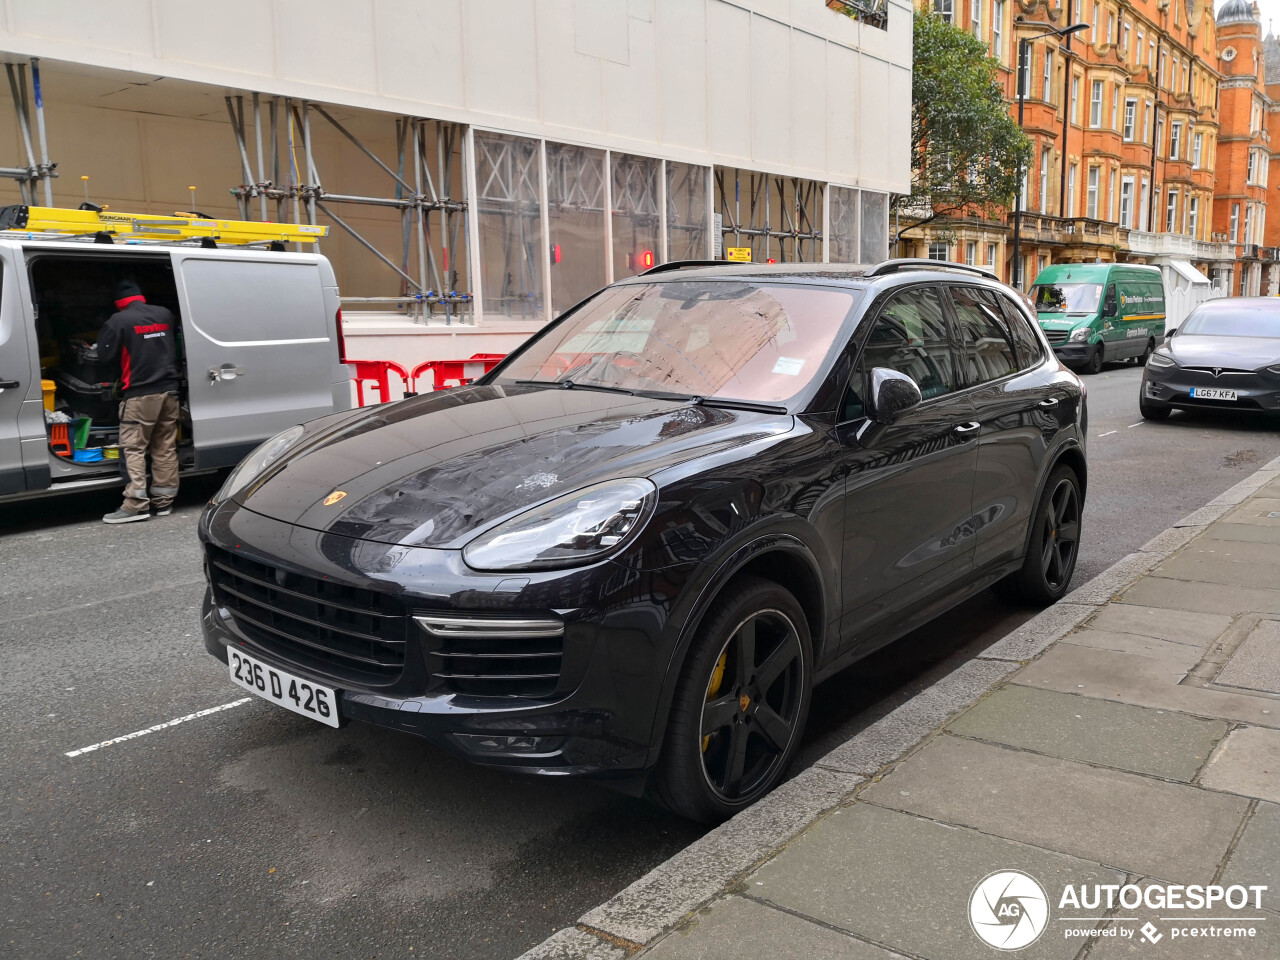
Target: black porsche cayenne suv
(631, 550)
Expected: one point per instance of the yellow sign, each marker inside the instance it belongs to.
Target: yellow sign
(738, 254)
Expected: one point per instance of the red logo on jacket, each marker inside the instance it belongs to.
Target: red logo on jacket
(150, 328)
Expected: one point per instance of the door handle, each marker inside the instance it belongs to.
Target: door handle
(227, 371)
(1048, 402)
(9, 384)
(964, 429)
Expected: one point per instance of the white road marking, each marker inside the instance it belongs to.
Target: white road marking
(1138, 424)
(1108, 433)
(158, 726)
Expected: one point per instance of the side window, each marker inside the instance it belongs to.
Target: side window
(1029, 350)
(985, 341)
(911, 336)
(1110, 305)
(853, 407)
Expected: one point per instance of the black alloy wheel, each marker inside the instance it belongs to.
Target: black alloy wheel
(1053, 545)
(1094, 363)
(741, 704)
(1060, 534)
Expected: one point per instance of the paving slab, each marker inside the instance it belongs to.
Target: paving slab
(1102, 815)
(1192, 595)
(1175, 538)
(1256, 663)
(905, 882)
(1248, 763)
(1155, 742)
(1237, 563)
(737, 928)
(1176, 626)
(1143, 681)
(1037, 634)
(892, 736)
(1255, 533)
(1256, 858)
(699, 872)
(1179, 657)
(1115, 578)
(1257, 510)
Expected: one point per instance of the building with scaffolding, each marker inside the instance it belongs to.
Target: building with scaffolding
(482, 165)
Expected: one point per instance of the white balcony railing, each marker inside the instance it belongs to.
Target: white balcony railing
(1176, 245)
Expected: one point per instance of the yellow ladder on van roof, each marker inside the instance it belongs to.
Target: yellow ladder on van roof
(57, 222)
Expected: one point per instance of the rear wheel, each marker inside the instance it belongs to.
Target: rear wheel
(1055, 540)
(740, 705)
(1094, 363)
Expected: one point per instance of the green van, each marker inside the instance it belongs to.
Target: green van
(1095, 312)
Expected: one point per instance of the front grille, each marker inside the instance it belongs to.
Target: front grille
(495, 658)
(1221, 371)
(347, 633)
(1056, 337)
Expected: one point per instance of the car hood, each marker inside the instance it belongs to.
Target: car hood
(434, 470)
(1242, 353)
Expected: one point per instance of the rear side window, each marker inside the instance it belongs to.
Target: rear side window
(986, 343)
(1029, 350)
(911, 337)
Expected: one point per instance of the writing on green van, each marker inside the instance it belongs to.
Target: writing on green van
(1093, 313)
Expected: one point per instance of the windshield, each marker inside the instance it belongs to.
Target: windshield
(1066, 297)
(732, 339)
(1255, 320)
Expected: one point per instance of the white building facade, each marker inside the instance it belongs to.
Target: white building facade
(483, 164)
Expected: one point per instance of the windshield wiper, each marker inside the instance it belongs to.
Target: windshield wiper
(739, 404)
(576, 385)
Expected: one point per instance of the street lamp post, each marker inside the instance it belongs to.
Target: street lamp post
(1024, 79)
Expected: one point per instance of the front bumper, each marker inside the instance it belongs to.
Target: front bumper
(1172, 387)
(1074, 353)
(598, 721)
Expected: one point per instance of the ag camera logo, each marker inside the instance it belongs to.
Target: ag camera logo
(1008, 910)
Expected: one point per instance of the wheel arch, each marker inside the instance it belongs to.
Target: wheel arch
(781, 558)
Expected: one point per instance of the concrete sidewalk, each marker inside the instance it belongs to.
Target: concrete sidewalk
(1125, 737)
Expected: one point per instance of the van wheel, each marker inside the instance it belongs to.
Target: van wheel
(740, 705)
(1094, 363)
(1146, 354)
(1054, 545)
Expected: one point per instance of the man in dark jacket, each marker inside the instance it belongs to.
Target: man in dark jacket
(141, 337)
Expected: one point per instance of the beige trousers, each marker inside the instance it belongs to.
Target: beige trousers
(150, 425)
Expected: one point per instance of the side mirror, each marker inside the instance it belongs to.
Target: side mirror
(892, 394)
(1169, 333)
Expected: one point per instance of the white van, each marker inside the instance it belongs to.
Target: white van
(259, 349)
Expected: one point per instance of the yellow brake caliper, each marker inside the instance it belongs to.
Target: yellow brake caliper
(713, 689)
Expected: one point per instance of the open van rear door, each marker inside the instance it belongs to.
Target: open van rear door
(260, 346)
(24, 445)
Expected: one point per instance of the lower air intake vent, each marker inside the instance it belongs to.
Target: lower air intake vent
(490, 657)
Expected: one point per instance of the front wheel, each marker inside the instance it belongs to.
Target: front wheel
(1146, 354)
(1094, 363)
(740, 705)
(1152, 411)
(1055, 540)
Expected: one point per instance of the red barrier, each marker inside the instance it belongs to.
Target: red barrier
(378, 372)
(444, 371)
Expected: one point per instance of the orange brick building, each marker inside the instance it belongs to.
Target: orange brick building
(1138, 127)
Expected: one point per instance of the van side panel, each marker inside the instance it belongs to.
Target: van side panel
(260, 348)
(23, 443)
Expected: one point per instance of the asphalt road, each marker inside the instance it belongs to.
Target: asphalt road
(254, 832)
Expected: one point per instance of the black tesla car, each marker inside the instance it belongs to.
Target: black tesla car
(631, 550)
(1225, 355)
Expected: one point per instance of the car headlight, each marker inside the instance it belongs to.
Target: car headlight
(252, 466)
(1079, 334)
(578, 528)
(1274, 368)
(1161, 361)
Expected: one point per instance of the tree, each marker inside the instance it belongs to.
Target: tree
(965, 146)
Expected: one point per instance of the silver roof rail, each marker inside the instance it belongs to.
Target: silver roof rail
(886, 267)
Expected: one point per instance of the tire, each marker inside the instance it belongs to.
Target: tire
(1146, 354)
(1053, 546)
(1152, 411)
(1094, 364)
(731, 735)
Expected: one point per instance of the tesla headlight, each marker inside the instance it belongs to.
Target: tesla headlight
(1161, 361)
(252, 466)
(578, 528)
(1274, 368)
(1079, 334)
